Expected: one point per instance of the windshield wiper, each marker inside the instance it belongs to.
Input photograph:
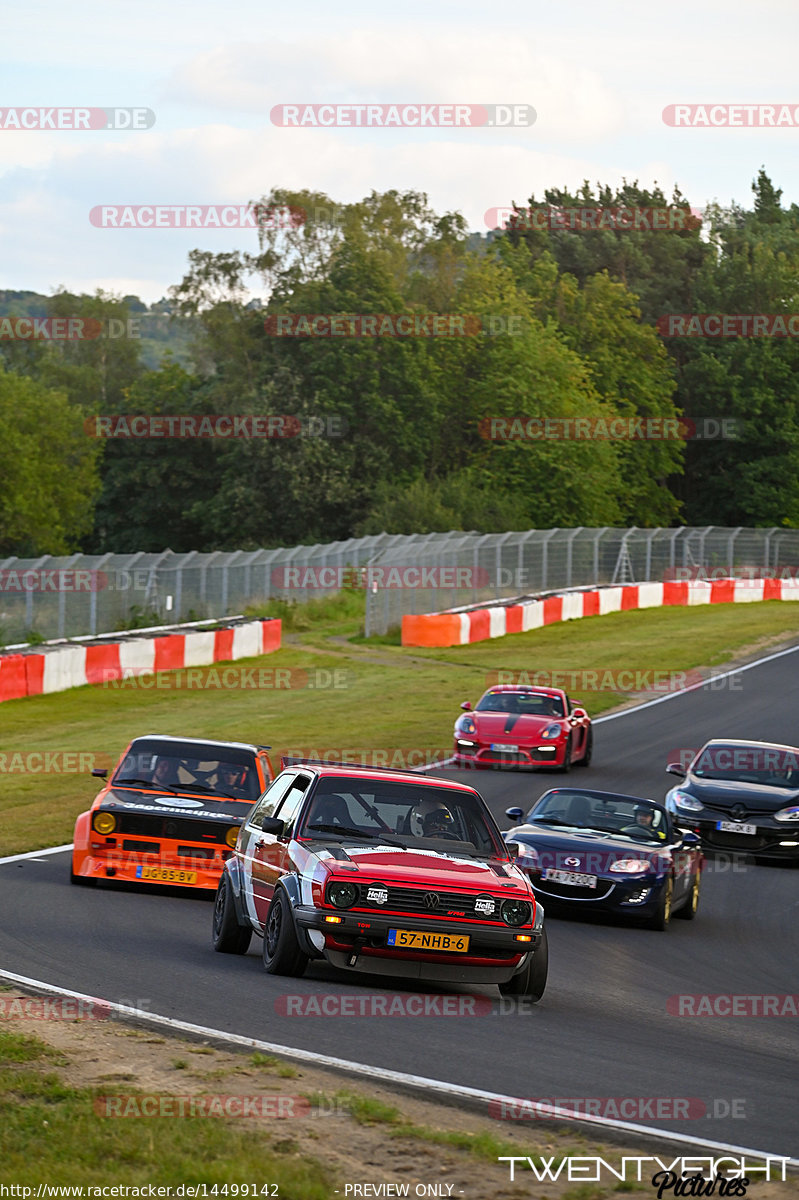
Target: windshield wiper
(348, 831)
(148, 783)
(549, 821)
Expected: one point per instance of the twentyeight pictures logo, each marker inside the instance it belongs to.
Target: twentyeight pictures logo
(76, 118)
(397, 116)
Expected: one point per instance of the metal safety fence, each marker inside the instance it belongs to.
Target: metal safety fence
(80, 595)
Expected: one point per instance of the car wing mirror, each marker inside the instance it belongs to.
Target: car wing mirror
(675, 768)
(515, 814)
(274, 826)
(689, 839)
(466, 706)
(579, 712)
(100, 772)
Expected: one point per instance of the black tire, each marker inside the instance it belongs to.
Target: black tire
(585, 761)
(281, 950)
(660, 920)
(532, 981)
(228, 936)
(567, 756)
(688, 910)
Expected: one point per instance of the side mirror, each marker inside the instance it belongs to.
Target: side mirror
(579, 713)
(675, 769)
(466, 706)
(690, 839)
(100, 772)
(515, 814)
(274, 826)
(514, 850)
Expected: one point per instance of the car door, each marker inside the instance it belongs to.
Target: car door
(270, 856)
(684, 859)
(250, 834)
(577, 726)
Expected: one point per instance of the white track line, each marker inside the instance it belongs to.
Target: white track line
(384, 1075)
(36, 853)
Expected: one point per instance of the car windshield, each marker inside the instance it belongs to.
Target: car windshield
(228, 774)
(524, 704)
(602, 812)
(410, 815)
(773, 766)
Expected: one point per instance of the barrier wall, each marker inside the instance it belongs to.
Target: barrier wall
(477, 625)
(74, 666)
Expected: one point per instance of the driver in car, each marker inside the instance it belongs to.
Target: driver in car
(431, 818)
(645, 825)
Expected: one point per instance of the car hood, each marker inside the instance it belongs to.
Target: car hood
(183, 805)
(595, 852)
(724, 793)
(423, 868)
(495, 727)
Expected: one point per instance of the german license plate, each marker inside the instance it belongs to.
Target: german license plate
(503, 746)
(412, 939)
(736, 827)
(574, 878)
(165, 875)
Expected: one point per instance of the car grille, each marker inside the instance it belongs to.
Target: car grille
(736, 841)
(565, 891)
(412, 900)
(175, 828)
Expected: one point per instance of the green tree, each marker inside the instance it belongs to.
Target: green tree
(48, 469)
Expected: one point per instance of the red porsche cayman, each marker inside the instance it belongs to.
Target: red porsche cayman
(523, 727)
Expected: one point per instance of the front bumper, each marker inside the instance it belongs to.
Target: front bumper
(162, 867)
(360, 943)
(768, 842)
(525, 756)
(625, 897)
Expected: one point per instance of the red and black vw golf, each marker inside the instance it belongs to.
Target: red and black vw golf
(380, 872)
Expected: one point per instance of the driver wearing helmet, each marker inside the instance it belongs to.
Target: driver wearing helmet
(233, 777)
(646, 824)
(431, 818)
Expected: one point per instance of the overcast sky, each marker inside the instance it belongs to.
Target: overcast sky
(597, 75)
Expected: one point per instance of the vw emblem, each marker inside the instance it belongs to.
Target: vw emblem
(572, 862)
(738, 811)
(431, 900)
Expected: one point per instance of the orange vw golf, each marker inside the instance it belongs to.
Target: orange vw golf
(170, 813)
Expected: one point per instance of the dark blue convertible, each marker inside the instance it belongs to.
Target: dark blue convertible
(604, 852)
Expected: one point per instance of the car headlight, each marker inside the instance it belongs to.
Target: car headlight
(629, 866)
(685, 802)
(552, 731)
(231, 837)
(788, 814)
(465, 725)
(104, 822)
(515, 912)
(342, 894)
